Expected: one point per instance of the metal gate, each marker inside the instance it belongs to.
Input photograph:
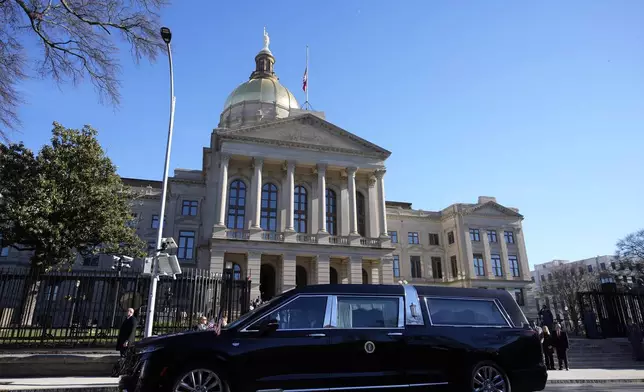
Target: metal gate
(606, 315)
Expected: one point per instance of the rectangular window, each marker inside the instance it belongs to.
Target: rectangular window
(433, 239)
(412, 237)
(91, 261)
(396, 266)
(602, 266)
(543, 278)
(514, 265)
(450, 237)
(306, 312)
(479, 267)
(415, 266)
(496, 265)
(491, 236)
(518, 296)
(454, 266)
(590, 268)
(368, 312)
(509, 237)
(475, 235)
(155, 222)
(437, 268)
(582, 270)
(186, 245)
(465, 312)
(189, 208)
(394, 236)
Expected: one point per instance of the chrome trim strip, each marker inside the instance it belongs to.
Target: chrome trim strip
(431, 322)
(329, 312)
(401, 312)
(245, 329)
(334, 311)
(427, 384)
(411, 301)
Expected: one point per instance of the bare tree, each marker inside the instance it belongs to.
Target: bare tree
(77, 41)
(629, 259)
(563, 284)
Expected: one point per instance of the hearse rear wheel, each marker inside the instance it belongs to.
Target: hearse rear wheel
(199, 380)
(488, 377)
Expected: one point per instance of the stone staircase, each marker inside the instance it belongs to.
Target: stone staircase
(600, 354)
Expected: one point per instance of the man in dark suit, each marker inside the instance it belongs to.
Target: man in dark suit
(127, 332)
(561, 345)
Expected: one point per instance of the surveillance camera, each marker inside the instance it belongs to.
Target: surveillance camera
(116, 258)
(168, 244)
(127, 259)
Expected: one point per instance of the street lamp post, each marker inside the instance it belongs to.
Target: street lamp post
(166, 35)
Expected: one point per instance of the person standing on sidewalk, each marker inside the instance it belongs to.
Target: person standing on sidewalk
(561, 345)
(547, 345)
(127, 332)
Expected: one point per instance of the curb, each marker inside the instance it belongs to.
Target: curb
(604, 381)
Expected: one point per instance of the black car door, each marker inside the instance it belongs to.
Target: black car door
(295, 355)
(366, 341)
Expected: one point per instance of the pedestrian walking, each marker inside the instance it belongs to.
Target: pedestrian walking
(202, 325)
(127, 332)
(547, 345)
(561, 345)
(547, 319)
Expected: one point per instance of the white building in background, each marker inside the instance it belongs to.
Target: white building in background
(287, 198)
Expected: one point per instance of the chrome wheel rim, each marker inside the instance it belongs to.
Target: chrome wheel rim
(199, 380)
(488, 379)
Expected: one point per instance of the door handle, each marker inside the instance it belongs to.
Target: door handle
(316, 335)
(394, 334)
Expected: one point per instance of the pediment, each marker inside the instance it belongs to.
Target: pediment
(306, 131)
(492, 209)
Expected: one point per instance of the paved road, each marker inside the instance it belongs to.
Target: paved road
(595, 388)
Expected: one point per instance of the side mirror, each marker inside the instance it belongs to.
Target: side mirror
(269, 326)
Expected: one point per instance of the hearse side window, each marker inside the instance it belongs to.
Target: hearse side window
(301, 313)
(367, 312)
(465, 312)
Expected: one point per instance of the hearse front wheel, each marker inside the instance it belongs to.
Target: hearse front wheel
(199, 380)
(488, 377)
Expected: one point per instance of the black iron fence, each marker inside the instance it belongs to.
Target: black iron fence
(86, 308)
(607, 314)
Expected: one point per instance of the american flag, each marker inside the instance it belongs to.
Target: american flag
(218, 325)
(305, 79)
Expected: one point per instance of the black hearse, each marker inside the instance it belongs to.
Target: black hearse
(345, 337)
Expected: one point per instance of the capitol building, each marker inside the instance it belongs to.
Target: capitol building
(287, 198)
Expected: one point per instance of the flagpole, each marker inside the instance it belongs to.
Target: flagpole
(307, 74)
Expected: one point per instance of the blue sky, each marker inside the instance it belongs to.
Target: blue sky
(540, 104)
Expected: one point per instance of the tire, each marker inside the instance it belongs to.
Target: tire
(199, 378)
(487, 376)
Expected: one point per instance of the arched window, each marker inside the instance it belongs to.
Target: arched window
(360, 212)
(269, 207)
(236, 205)
(331, 212)
(333, 276)
(365, 276)
(300, 276)
(300, 209)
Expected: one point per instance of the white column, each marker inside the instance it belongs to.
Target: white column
(505, 262)
(253, 266)
(486, 253)
(382, 213)
(469, 256)
(257, 192)
(217, 261)
(524, 269)
(288, 271)
(223, 189)
(387, 270)
(324, 269)
(322, 198)
(375, 273)
(290, 188)
(354, 270)
(351, 186)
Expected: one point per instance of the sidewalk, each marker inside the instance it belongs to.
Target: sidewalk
(596, 376)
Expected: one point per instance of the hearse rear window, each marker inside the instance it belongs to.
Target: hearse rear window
(368, 312)
(465, 312)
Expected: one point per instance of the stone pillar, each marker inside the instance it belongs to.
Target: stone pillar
(257, 192)
(375, 272)
(487, 254)
(505, 262)
(354, 270)
(323, 266)
(373, 228)
(387, 270)
(469, 256)
(344, 272)
(217, 261)
(288, 271)
(253, 266)
(351, 187)
(223, 190)
(524, 269)
(290, 189)
(382, 213)
(321, 198)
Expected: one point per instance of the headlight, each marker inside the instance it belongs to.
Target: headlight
(148, 349)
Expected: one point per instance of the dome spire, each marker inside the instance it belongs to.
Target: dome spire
(264, 61)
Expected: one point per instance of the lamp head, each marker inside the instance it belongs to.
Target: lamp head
(166, 35)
